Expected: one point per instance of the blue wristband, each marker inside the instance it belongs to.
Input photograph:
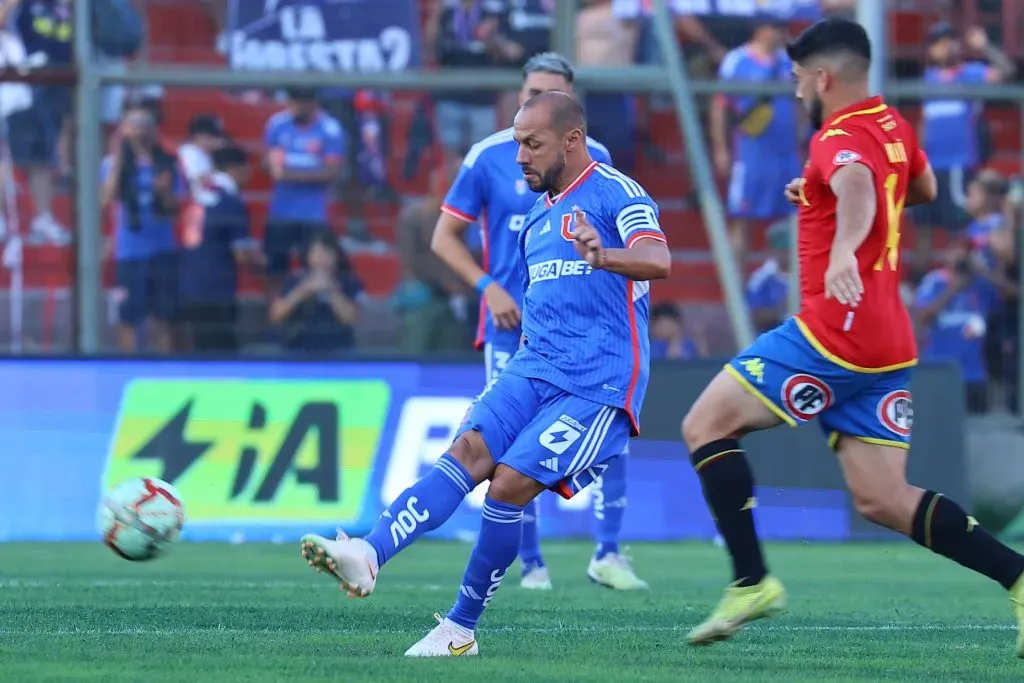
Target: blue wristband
(483, 283)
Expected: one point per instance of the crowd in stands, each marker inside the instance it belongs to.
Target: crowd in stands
(183, 232)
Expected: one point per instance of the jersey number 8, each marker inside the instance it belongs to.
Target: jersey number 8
(893, 213)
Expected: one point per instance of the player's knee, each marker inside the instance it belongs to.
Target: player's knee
(510, 486)
(884, 505)
(472, 453)
(702, 426)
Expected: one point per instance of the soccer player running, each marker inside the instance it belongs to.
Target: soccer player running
(846, 358)
(568, 399)
(490, 188)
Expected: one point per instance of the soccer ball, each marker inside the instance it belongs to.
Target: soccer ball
(141, 518)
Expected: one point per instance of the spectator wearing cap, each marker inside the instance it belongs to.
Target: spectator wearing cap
(45, 28)
(209, 265)
(305, 148)
(768, 286)
(950, 132)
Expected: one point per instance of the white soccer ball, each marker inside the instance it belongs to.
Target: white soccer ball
(140, 519)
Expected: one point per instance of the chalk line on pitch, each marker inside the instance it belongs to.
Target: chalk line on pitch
(568, 628)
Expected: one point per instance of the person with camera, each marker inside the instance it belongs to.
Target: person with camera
(141, 180)
(951, 307)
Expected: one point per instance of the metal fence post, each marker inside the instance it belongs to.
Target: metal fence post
(88, 234)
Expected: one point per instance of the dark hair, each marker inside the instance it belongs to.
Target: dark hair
(206, 124)
(993, 183)
(229, 156)
(830, 36)
(666, 309)
(329, 241)
(549, 63)
(299, 94)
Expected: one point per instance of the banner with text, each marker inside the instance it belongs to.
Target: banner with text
(364, 36)
(270, 450)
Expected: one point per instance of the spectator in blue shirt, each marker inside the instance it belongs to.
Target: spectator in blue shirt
(210, 259)
(768, 286)
(305, 147)
(950, 128)
(760, 156)
(45, 28)
(142, 180)
(669, 338)
(316, 310)
(951, 308)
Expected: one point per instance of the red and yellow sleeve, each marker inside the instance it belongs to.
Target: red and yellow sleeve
(837, 147)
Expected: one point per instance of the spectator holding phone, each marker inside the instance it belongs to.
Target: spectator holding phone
(316, 311)
(951, 307)
(141, 180)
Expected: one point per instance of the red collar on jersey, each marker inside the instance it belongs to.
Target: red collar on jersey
(871, 105)
(550, 201)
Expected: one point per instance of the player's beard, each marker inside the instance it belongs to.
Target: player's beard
(549, 181)
(816, 112)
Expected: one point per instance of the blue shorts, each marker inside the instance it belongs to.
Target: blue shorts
(798, 383)
(757, 188)
(148, 288)
(555, 438)
(496, 357)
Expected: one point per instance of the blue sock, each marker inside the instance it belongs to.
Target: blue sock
(501, 531)
(422, 507)
(529, 552)
(610, 506)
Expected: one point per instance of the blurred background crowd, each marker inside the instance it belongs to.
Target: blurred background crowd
(297, 220)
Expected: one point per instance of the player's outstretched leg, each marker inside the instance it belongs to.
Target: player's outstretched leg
(501, 531)
(876, 475)
(608, 567)
(422, 507)
(535, 572)
(726, 410)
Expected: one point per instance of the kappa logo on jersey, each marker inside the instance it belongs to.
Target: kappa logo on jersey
(556, 268)
(845, 158)
(896, 412)
(806, 396)
(558, 437)
(755, 368)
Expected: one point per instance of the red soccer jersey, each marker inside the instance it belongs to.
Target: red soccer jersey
(877, 334)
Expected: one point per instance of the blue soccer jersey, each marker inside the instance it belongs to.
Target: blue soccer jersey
(303, 147)
(490, 188)
(585, 330)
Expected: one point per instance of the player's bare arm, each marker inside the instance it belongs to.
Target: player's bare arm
(447, 243)
(647, 259)
(854, 189)
(923, 189)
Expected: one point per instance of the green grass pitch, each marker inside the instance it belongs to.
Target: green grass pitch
(248, 613)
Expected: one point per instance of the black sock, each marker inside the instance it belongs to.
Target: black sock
(940, 525)
(729, 490)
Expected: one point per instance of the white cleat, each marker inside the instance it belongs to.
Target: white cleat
(447, 639)
(352, 561)
(614, 571)
(536, 579)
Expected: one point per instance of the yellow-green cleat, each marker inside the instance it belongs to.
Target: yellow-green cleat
(1017, 600)
(739, 607)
